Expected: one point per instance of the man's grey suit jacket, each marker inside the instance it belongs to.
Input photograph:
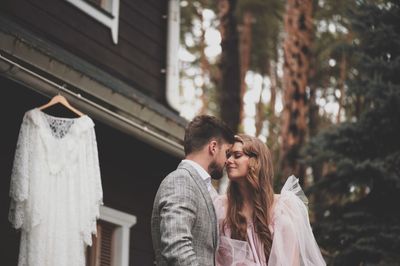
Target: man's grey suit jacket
(183, 222)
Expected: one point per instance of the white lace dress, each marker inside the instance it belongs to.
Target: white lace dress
(55, 189)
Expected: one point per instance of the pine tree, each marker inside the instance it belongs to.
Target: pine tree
(358, 220)
(229, 89)
(296, 46)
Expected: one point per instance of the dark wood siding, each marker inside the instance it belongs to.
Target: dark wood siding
(139, 55)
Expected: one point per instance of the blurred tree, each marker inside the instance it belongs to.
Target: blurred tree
(245, 33)
(266, 24)
(297, 44)
(358, 223)
(229, 89)
(264, 60)
(330, 67)
(193, 31)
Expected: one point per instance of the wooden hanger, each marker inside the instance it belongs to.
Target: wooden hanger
(61, 100)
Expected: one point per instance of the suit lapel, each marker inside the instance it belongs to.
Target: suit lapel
(206, 195)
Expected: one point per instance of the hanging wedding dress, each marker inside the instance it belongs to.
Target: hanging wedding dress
(55, 189)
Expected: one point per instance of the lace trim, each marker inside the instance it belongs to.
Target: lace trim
(59, 127)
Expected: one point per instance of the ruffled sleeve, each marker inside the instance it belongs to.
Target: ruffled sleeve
(293, 240)
(91, 189)
(19, 186)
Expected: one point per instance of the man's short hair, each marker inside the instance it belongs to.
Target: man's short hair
(204, 128)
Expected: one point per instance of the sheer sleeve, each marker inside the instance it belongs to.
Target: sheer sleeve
(19, 187)
(293, 240)
(91, 189)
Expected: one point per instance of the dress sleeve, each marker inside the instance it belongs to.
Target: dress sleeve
(93, 194)
(19, 186)
(293, 240)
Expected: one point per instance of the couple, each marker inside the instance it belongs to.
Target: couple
(193, 225)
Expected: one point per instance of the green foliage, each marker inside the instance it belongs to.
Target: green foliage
(357, 217)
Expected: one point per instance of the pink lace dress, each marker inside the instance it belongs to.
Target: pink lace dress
(293, 241)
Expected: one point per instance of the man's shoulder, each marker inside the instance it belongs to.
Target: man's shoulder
(177, 184)
(179, 175)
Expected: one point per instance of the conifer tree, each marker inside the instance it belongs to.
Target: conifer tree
(358, 220)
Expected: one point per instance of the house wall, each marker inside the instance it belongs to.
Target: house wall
(137, 59)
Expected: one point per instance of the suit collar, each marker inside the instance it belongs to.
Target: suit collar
(196, 177)
(200, 170)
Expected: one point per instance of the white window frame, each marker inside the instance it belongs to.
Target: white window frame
(111, 21)
(124, 222)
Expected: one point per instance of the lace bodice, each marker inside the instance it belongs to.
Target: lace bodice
(59, 126)
(55, 189)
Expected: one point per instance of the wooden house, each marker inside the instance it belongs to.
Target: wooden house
(115, 60)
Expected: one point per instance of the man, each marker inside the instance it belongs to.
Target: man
(183, 223)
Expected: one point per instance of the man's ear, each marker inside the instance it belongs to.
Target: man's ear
(212, 147)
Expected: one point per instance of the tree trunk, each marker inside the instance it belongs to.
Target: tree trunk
(229, 91)
(204, 64)
(271, 106)
(297, 48)
(342, 78)
(260, 114)
(245, 50)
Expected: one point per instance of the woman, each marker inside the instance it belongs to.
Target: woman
(256, 226)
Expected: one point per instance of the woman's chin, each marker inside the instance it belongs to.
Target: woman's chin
(233, 177)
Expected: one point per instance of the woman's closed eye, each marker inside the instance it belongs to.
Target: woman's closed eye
(235, 154)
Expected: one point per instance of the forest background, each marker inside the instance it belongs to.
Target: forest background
(319, 83)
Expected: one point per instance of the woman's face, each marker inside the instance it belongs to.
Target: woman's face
(237, 164)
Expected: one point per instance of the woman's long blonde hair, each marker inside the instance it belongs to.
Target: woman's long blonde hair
(260, 183)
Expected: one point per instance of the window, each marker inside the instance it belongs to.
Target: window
(105, 5)
(111, 245)
(104, 11)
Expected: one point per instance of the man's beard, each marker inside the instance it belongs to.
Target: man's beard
(216, 171)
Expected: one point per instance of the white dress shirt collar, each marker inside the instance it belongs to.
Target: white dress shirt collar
(200, 170)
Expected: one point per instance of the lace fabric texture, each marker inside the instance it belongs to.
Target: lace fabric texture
(55, 189)
(293, 241)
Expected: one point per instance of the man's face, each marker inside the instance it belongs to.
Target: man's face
(216, 167)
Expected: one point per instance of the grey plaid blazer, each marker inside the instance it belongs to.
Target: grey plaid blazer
(183, 222)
